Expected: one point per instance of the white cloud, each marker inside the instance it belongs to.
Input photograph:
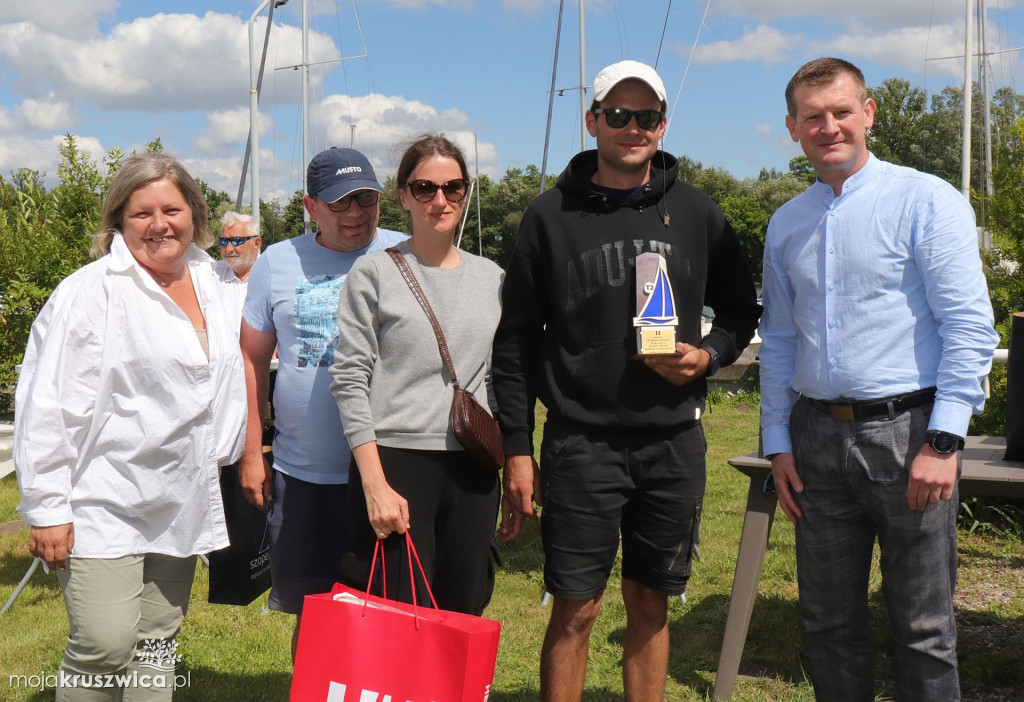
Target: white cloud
(37, 115)
(43, 154)
(166, 62)
(902, 48)
(763, 128)
(424, 4)
(527, 7)
(226, 130)
(765, 44)
(383, 123)
(67, 18)
(874, 13)
(48, 116)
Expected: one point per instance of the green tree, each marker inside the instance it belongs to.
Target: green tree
(392, 216)
(750, 220)
(294, 224)
(897, 133)
(802, 169)
(217, 202)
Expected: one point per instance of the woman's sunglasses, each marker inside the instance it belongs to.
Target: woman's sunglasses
(426, 190)
(618, 117)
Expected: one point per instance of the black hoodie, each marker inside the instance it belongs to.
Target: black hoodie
(566, 333)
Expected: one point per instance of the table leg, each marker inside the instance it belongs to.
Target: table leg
(757, 524)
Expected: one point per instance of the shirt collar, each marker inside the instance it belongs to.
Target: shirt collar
(859, 179)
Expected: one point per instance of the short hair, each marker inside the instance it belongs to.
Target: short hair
(822, 71)
(137, 172)
(231, 218)
(426, 146)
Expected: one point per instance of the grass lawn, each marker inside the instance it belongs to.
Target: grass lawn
(234, 653)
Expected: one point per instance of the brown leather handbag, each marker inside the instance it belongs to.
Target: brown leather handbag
(474, 428)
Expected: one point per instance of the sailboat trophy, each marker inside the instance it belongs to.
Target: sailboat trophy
(656, 307)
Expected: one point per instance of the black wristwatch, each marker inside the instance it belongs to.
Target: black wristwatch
(943, 442)
(714, 364)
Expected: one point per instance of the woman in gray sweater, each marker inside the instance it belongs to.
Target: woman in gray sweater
(394, 394)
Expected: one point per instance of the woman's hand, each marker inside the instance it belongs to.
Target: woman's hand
(388, 511)
(52, 544)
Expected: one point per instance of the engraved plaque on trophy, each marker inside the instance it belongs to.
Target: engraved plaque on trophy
(655, 319)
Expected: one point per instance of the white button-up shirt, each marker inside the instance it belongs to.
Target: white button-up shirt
(121, 421)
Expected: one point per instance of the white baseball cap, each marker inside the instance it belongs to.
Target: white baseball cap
(611, 76)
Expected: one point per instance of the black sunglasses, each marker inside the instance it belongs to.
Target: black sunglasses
(365, 198)
(618, 117)
(426, 190)
(235, 240)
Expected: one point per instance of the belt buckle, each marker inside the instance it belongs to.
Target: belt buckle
(842, 413)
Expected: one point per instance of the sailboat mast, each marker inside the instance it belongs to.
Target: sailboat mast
(985, 76)
(305, 102)
(965, 150)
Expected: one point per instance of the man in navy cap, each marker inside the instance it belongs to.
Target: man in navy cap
(292, 304)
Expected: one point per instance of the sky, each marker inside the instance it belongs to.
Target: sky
(120, 73)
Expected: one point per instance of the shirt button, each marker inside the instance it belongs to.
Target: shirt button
(831, 249)
(832, 287)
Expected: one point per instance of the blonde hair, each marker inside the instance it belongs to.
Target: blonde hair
(138, 172)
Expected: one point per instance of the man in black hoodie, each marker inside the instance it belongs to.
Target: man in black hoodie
(623, 449)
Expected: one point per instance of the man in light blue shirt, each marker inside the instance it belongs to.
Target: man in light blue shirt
(877, 333)
(292, 305)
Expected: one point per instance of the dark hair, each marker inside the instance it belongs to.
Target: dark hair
(822, 71)
(426, 146)
(138, 172)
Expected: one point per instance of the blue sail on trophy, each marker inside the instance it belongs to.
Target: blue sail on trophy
(656, 304)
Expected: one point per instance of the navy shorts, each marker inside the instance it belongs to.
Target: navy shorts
(307, 524)
(598, 484)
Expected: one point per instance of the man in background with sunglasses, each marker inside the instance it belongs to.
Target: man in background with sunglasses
(292, 304)
(623, 449)
(240, 243)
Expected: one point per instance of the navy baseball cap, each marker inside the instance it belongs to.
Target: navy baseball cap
(335, 173)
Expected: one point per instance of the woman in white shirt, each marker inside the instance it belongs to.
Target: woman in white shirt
(131, 395)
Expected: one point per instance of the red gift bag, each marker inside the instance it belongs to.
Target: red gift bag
(357, 647)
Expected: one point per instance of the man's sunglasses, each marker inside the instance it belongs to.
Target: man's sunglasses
(235, 240)
(365, 198)
(618, 117)
(426, 190)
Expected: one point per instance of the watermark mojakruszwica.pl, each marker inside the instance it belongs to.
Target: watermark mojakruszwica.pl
(157, 655)
(48, 681)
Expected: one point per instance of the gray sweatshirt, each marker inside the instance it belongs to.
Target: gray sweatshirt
(389, 380)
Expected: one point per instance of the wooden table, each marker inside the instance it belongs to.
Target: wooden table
(984, 473)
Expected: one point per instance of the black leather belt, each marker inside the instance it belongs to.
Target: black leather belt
(866, 409)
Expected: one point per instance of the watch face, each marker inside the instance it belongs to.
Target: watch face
(943, 442)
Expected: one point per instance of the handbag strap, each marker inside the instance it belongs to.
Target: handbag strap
(417, 292)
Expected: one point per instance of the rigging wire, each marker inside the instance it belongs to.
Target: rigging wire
(664, 26)
(693, 49)
(551, 97)
(620, 28)
(344, 72)
(374, 95)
